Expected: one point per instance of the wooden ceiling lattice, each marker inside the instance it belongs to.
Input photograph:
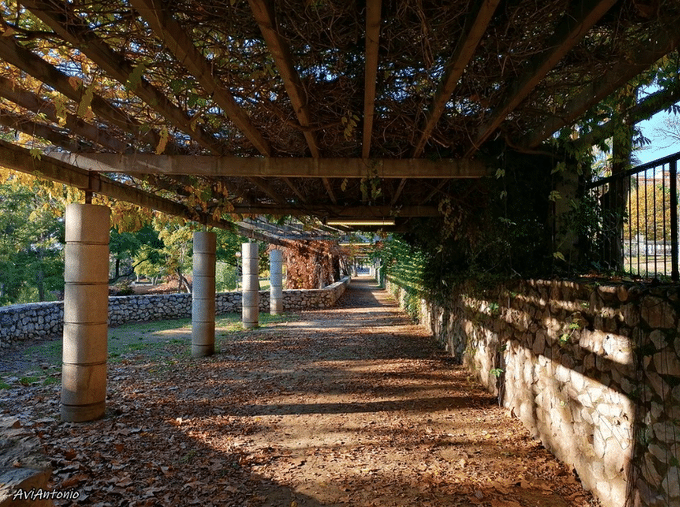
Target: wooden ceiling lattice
(323, 99)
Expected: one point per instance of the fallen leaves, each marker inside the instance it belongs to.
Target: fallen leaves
(326, 410)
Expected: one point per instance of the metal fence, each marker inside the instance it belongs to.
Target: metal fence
(638, 220)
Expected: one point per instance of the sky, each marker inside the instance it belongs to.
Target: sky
(660, 146)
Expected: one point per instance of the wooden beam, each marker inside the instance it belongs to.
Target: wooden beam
(32, 64)
(181, 46)
(397, 193)
(649, 106)
(295, 189)
(268, 189)
(19, 159)
(278, 47)
(81, 36)
(474, 29)
(77, 32)
(329, 190)
(279, 167)
(11, 91)
(658, 45)
(335, 211)
(573, 26)
(373, 12)
(28, 126)
(434, 192)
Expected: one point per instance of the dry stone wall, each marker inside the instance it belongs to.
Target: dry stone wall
(43, 320)
(592, 370)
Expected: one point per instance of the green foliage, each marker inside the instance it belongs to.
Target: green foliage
(492, 229)
(129, 250)
(226, 277)
(404, 265)
(31, 245)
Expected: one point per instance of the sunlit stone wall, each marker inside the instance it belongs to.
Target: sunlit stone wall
(592, 370)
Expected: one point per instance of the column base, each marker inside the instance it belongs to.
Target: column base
(202, 350)
(83, 413)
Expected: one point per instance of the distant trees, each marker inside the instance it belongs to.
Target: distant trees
(142, 243)
(31, 244)
(131, 252)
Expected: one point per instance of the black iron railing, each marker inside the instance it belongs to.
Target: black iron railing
(638, 210)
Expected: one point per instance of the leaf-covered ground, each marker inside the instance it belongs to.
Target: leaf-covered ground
(350, 406)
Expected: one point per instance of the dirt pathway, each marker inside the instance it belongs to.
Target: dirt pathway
(349, 406)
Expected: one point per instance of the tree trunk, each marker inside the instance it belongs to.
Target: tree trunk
(182, 282)
(614, 201)
(39, 280)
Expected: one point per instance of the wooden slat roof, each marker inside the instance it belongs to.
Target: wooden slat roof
(337, 108)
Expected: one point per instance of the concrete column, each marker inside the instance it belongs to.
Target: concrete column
(203, 295)
(251, 286)
(86, 308)
(275, 282)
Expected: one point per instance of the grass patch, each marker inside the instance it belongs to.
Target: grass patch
(4, 385)
(49, 351)
(157, 341)
(152, 327)
(27, 381)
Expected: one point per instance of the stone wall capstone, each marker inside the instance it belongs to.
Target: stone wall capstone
(591, 369)
(45, 320)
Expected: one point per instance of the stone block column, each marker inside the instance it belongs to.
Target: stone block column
(86, 305)
(275, 282)
(203, 295)
(251, 286)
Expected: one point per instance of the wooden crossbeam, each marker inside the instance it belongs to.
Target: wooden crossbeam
(295, 189)
(329, 190)
(35, 66)
(398, 191)
(373, 12)
(434, 192)
(646, 108)
(278, 167)
(11, 91)
(28, 126)
(348, 212)
(181, 46)
(116, 66)
(78, 33)
(473, 31)
(19, 159)
(657, 47)
(278, 47)
(574, 25)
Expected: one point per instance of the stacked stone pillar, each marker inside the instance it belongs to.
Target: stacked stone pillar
(203, 295)
(86, 299)
(276, 282)
(251, 286)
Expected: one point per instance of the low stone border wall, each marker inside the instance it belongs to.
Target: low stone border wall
(592, 370)
(43, 320)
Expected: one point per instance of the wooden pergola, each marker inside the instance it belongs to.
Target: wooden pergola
(333, 109)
